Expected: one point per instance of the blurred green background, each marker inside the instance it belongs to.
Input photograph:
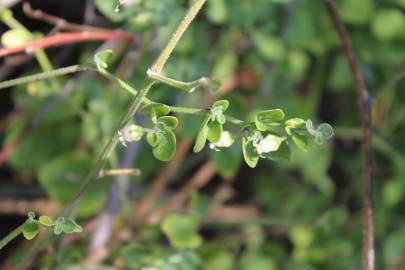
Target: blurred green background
(303, 214)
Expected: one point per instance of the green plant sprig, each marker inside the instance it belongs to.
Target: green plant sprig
(31, 226)
(135, 104)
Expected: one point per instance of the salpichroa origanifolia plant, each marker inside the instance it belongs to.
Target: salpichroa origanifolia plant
(269, 135)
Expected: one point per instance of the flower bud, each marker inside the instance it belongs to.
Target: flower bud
(130, 133)
(270, 143)
(225, 141)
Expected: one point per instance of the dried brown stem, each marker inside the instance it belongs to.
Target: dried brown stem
(21, 207)
(364, 104)
(58, 22)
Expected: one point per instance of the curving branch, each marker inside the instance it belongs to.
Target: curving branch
(364, 104)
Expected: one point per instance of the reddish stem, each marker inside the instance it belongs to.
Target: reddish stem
(65, 38)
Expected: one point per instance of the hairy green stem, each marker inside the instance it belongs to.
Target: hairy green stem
(43, 75)
(13, 234)
(167, 51)
(187, 86)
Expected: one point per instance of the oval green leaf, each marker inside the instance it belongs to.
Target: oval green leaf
(214, 131)
(222, 104)
(101, 59)
(30, 229)
(46, 221)
(325, 130)
(265, 120)
(249, 153)
(70, 226)
(165, 152)
(202, 135)
(157, 109)
(152, 139)
(170, 122)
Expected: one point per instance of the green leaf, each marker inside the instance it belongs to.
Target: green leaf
(249, 153)
(181, 231)
(301, 141)
(214, 131)
(266, 120)
(152, 139)
(101, 59)
(202, 135)
(294, 123)
(70, 226)
(58, 227)
(283, 153)
(165, 151)
(170, 122)
(30, 229)
(221, 104)
(325, 130)
(156, 109)
(46, 221)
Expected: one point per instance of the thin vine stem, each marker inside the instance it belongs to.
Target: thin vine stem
(13, 234)
(44, 75)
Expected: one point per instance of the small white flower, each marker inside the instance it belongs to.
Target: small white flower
(270, 143)
(130, 133)
(225, 141)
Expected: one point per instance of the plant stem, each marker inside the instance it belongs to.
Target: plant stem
(44, 75)
(364, 104)
(187, 86)
(167, 51)
(13, 234)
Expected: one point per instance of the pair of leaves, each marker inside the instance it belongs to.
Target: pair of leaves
(162, 139)
(211, 128)
(66, 225)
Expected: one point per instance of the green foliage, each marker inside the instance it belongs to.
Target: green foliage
(181, 231)
(61, 225)
(388, 24)
(102, 58)
(272, 54)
